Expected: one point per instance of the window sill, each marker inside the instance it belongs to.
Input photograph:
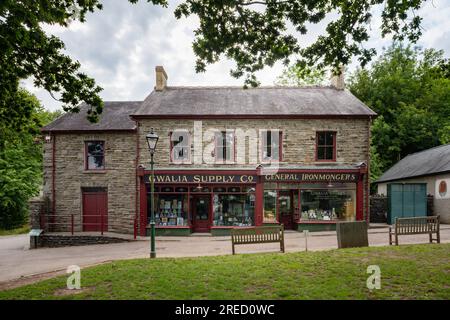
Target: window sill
(95, 171)
(170, 227)
(323, 221)
(231, 227)
(325, 161)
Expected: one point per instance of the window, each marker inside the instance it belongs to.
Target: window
(328, 204)
(95, 155)
(180, 149)
(271, 145)
(234, 210)
(224, 146)
(270, 206)
(326, 146)
(170, 209)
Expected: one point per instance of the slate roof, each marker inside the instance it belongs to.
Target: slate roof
(428, 162)
(115, 116)
(261, 101)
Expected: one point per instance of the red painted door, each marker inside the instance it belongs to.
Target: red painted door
(201, 209)
(95, 211)
(285, 207)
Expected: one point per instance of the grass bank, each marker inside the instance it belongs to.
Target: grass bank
(407, 272)
(10, 232)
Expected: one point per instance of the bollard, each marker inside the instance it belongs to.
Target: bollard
(305, 232)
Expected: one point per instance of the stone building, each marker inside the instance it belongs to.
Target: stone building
(430, 167)
(226, 158)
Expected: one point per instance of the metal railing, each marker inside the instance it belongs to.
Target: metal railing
(72, 222)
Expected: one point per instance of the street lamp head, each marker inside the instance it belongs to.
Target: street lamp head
(152, 140)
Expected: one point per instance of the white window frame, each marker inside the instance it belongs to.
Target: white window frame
(185, 145)
(229, 144)
(275, 145)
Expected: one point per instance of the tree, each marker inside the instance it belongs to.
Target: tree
(256, 33)
(296, 76)
(253, 33)
(21, 160)
(409, 88)
(27, 51)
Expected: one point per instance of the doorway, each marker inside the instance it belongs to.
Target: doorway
(201, 213)
(95, 209)
(285, 205)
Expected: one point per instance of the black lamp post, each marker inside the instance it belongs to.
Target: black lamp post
(152, 140)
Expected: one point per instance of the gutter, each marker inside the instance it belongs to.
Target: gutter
(53, 175)
(413, 177)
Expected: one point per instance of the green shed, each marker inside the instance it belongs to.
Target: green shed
(406, 200)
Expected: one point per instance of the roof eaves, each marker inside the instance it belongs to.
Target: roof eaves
(412, 177)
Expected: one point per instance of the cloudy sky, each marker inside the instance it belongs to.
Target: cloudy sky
(120, 46)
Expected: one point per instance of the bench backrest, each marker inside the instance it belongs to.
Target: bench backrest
(257, 235)
(417, 224)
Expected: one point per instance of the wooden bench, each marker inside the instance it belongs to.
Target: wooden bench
(258, 235)
(415, 225)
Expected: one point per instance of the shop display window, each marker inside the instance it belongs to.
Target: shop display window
(328, 204)
(170, 209)
(234, 210)
(270, 206)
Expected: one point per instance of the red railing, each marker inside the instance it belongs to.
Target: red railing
(66, 222)
(75, 223)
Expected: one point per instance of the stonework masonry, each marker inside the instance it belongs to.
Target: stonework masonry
(299, 141)
(119, 178)
(122, 150)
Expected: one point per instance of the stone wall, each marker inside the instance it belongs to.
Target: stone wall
(299, 142)
(53, 241)
(119, 178)
(299, 139)
(35, 209)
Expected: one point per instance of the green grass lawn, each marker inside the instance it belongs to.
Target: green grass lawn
(407, 272)
(21, 230)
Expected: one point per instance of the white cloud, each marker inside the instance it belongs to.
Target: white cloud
(120, 46)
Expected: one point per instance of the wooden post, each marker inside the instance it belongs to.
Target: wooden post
(71, 222)
(305, 232)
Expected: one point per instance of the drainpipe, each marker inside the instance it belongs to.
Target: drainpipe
(53, 178)
(136, 217)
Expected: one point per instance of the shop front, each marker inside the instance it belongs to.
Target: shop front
(313, 200)
(216, 201)
(201, 202)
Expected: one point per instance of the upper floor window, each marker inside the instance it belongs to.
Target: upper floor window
(180, 149)
(326, 146)
(271, 145)
(224, 150)
(95, 155)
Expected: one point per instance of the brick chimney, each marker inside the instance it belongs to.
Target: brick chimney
(338, 81)
(161, 78)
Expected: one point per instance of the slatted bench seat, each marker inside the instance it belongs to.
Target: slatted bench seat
(258, 235)
(415, 225)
